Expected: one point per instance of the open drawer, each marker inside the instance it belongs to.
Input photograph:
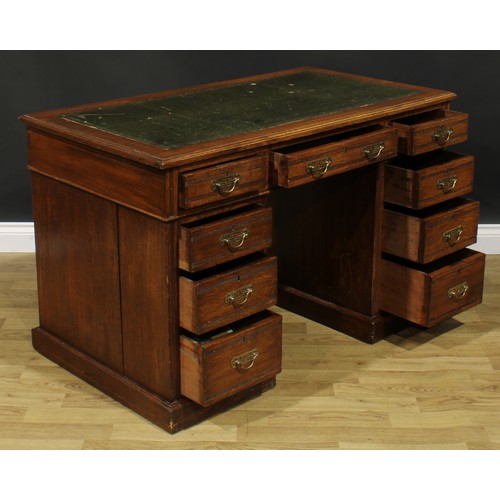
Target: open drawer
(208, 242)
(421, 181)
(426, 235)
(231, 359)
(429, 294)
(303, 163)
(229, 292)
(431, 130)
(220, 182)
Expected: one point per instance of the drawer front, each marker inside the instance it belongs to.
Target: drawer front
(307, 163)
(205, 244)
(228, 180)
(429, 180)
(430, 294)
(426, 235)
(217, 368)
(211, 302)
(430, 131)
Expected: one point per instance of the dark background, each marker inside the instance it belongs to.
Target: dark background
(33, 81)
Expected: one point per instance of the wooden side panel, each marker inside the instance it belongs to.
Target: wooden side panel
(404, 292)
(400, 186)
(78, 277)
(325, 236)
(402, 235)
(148, 275)
(192, 369)
(117, 180)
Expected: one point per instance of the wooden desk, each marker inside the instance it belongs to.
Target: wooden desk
(167, 225)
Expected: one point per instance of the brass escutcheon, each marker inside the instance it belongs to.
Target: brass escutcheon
(373, 151)
(446, 185)
(235, 239)
(225, 185)
(317, 168)
(442, 135)
(240, 296)
(458, 292)
(452, 236)
(245, 361)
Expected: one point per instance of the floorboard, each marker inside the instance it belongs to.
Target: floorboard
(420, 389)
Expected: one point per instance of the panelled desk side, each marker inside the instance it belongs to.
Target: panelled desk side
(157, 264)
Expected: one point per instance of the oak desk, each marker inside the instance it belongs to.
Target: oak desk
(168, 224)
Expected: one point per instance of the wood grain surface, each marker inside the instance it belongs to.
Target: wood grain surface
(419, 389)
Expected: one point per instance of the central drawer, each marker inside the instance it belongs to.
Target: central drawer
(210, 299)
(218, 366)
(303, 163)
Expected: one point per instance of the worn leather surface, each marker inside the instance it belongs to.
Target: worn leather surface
(204, 115)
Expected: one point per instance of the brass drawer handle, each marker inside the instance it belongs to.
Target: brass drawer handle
(240, 296)
(226, 185)
(446, 185)
(235, 239)
(442, 135)
(317, 168)
(373, 151)
(452, 236)
(458, 292)
(244, 361)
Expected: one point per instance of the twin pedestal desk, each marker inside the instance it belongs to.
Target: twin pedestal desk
(168, 224)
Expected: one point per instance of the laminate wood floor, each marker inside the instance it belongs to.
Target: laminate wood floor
(420, 389)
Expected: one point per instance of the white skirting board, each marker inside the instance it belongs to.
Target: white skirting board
(20, 237)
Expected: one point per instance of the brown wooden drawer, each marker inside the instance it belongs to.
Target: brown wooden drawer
(228, 180)
(432, 130)
(208, 301)
(206, 243)
(217, 367)
(426, 235)
(429, 294)
(422, 181)
(308, 162)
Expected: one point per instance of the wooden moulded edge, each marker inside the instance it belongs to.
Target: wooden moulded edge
(162, 158)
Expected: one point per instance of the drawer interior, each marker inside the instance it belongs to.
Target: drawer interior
(220, 217)
(227, 329)
(329, 139)
(423, 213)
(436, 265)
(225, 267)
(425, 160)
(436, 114)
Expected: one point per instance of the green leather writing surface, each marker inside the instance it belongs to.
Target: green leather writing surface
(204, 115)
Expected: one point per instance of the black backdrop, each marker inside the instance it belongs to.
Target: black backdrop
(41, 80)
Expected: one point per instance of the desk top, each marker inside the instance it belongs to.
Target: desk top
(216, 113)
(176, 127)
